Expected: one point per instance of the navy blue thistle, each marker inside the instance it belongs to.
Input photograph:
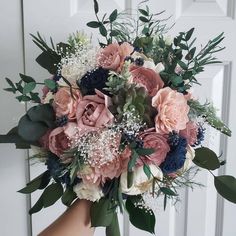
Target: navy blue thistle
(175, 158)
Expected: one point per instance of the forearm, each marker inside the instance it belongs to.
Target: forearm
(74, 222)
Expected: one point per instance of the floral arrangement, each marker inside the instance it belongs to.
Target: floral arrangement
(117, 123)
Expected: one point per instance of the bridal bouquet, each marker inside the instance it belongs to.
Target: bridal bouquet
(117, 123)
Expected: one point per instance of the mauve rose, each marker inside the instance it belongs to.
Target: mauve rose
(112, 56)
(65, 104)
(88, 175)
(146, 78)
(172, 110)
(190, 132)
(157, 142)
(93, 113)
(44, 140)
(59, 138)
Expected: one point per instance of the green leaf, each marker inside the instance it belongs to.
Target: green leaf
(143, 12)
(226, 187)
(190, 55)
(130, 178)
(206, 158)
(29, 87)
(51, 84)
(144, 151)
(113, 229)
(103, 30)
(34, 184)
(102, 213)
(37, 206)
(183, 46)
(114, 33)
(68, 196)
(113, 16)
(183, 65)
(147, 170)
(165, 201)
(133, 160)
(168, 191)
(42, 113)
(140, 217)
(93, 24)
(31, 131)
(11, 84)
(12, 90)
(189, 34)
(96, 8)
(176, 80)
(26, 78)
(143, 19)
(51, 194)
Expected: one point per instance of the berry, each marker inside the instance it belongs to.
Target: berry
(61, 121)
(139, 61)
(173, 139)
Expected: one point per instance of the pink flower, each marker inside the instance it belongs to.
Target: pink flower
(112, 56)
(59, 138)
(115, 167)
(44, 140)
(93, 113)
(146, 78)
(190, 132)
(157, 142)
(66, 104)
(172, 110)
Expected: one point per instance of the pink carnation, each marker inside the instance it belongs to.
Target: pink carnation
(172, 110)
(156, 141)
(146, 78)
(93, 113)
(66, 103)
(190, 132)
(112, 56)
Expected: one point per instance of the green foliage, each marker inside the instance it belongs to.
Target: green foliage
(140, 217)
(102, 213)
(39, 182)
(208, 112)
(68, 196)
(35, 123)
(51, 84)
(50, 195)
(113, 229)
(168, 191)
(226, 187)
(206, 158)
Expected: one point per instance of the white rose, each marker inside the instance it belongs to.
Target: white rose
(168, 40)
(89, 192)
(48, 98)
(141, 183)
(159, 67)
(189, 160)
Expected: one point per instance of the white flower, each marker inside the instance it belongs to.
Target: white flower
(141, 183)
(168, 40)
(89, 192)
(189, 160)
(48, 98)
(159, 67)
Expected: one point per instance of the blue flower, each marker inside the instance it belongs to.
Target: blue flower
(92, 80)
(200, 135)
(175, 158)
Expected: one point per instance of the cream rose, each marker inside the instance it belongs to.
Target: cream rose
(89, 192)
(141, 183)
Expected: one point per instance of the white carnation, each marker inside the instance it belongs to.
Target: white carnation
(141, 183)
(89, 192)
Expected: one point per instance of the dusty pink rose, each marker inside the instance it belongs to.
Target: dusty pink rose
(93, 113)
(59, 138)
(156, 141)
(172, 110)
(112, 56)
(65, 104)
(115, 167)
(89, 176)
(190, 132)
(146, 78)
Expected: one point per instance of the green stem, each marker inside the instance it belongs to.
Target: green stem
(113, 229)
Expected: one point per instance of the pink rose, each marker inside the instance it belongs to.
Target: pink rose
(115, 167)
(146, 78)
(89, 176)
(66, 104)
(93, 113)
(172, 110)
(190, 132)
(157, 142)
(112, 56)
(60, 138)
(44, 140)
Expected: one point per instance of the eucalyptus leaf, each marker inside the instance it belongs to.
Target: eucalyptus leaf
(29, 87)
(189, 34)
(226, 187)
(93, 24)
(26, 78)
(103, 30)
(206, 158)
(113, 16)
(96, 8)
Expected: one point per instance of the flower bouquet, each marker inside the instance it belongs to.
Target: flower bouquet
(117, 123)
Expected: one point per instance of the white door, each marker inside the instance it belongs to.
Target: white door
(201, 212)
